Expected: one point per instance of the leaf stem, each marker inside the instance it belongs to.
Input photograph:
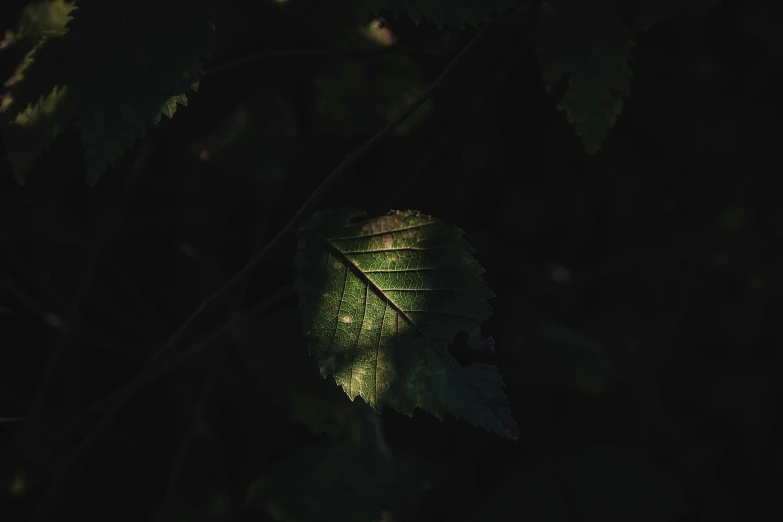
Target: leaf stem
(171, 489)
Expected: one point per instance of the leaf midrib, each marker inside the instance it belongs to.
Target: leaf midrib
(350, 265)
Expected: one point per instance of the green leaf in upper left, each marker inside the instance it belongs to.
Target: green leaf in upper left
(126, 65)
(35, 107)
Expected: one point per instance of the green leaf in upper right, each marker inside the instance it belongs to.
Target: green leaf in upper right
(587, 45)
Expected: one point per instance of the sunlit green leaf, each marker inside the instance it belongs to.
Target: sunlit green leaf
(380, 302)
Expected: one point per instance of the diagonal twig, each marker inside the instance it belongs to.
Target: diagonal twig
(163, 368)
(171, 489)
(74, 311)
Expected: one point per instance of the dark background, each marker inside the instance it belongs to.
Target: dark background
(661, 254)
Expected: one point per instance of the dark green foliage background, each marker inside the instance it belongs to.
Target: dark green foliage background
(638, 290)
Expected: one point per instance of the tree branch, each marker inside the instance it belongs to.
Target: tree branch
(74, 312)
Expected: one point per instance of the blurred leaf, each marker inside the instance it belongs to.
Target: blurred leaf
(614, 484)
(39, 20)
(254, 141)
(590, 46)
(329, 482)
(380, 302)
(748, 400)
(569, 358)
(118, 90)
(356, 422)
(599, 485)
(355, 99)
(457, 13)
(35, 108)
(653, 12)
(530, 494)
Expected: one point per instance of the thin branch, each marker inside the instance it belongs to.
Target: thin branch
(54, 320)
(445, 138)
(73, 314)
(171, 489)
(163, 368)
(152, 367)
(299, 53)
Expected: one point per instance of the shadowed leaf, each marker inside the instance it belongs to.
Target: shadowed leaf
(608, 484)
(615, 484)
(330, 482)
(587, 44)
(119, 90)
(569, 358)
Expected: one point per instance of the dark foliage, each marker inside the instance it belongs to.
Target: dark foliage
(637, 288)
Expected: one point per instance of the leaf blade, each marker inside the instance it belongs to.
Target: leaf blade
(591, 46)
(381, 299)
